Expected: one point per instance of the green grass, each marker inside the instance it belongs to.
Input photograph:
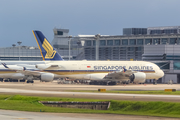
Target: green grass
(157, 92)
(30, 103)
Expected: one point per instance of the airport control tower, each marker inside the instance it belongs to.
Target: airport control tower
(61, 39)
(61, 43)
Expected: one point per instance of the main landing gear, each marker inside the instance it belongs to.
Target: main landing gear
(102, 83)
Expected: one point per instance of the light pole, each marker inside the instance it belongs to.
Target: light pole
(69, 46)
(13, 48)
(78, 45)
(19, 42)
(97, 45)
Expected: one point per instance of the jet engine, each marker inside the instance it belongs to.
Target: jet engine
(47, 77)
(138, 77)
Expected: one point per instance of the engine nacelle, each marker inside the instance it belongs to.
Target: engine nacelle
(42, 66)
(47, 77)
(138, 77)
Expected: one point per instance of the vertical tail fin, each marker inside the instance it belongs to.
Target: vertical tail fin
(46, 49)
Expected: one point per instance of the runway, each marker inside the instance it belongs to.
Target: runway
(54, 86)
(17, 115)
(59, 90)
(6, 90)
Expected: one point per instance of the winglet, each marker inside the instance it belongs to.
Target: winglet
(46, 49)
(24, 68)
(14, 67)
(4, 64)
(124, 69)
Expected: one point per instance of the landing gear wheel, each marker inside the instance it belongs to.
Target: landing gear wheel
(29, 81)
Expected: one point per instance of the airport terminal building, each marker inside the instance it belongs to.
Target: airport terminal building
(160, 45)
(136, 44)
(25, 53)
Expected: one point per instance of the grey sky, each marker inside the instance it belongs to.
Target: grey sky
(19, 17)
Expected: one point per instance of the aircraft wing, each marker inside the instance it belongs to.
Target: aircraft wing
(30, 73)
(124, 75)
(120, 75)
(22, 70)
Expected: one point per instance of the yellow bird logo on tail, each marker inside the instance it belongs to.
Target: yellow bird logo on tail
(49, 49)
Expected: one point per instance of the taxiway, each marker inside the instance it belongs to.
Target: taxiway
(60, 90)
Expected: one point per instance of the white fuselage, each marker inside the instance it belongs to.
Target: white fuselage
(93, 70)
(80, 69)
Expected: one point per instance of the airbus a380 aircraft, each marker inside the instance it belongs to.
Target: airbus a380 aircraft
(135, 71)
(17, 65)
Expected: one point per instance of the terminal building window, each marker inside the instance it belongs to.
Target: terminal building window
(125, 42)
(132, 42)
(94, 42)
(155, 32)
(178, 41)
(163, 65)
(169, 31)
(172, 41)
(138, 48)
(139, 41)
(59, 33)
(88, 43)
(131, 48)
(156, 41)
(164, 41)
(102, 42)
(109, 42)
(148, 41)
(164, 31)
(176, 65)
(117, 42)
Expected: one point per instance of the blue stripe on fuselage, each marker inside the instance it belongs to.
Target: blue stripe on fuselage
(95, 70)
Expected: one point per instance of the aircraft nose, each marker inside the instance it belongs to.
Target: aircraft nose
(161, 73)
